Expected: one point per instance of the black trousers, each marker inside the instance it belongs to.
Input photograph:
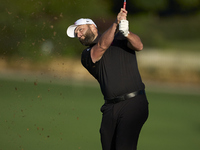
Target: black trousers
(122, 122)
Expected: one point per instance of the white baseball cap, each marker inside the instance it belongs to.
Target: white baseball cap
(82, 21)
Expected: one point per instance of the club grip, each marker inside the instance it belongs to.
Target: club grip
(124, 5)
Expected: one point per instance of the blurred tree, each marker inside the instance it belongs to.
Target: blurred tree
(181, 7)
(159, 7)
(26, 25)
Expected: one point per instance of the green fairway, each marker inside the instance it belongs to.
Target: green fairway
(173, 122)
(38, 115)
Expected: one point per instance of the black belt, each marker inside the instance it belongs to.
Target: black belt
(124, 97)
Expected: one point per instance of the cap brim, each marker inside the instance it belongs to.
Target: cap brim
(70, 31)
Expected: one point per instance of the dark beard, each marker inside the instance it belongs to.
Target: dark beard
(89, 38)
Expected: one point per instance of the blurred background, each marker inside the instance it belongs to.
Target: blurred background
(36, 54)
(33, 35)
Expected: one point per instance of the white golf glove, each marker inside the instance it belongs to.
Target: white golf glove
(124, 27)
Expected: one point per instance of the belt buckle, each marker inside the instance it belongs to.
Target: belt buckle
(130, 95)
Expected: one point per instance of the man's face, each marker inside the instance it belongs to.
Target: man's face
(84, 34)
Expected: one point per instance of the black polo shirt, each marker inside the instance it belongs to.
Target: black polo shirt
(117, 71)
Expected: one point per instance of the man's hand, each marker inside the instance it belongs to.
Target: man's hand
(121, 15)
(124, 27)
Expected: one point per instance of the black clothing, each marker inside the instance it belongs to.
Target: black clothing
(122, 122)
(117, 73)
(117, 70)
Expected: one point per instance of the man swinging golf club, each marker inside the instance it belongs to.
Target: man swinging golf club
(111, 59)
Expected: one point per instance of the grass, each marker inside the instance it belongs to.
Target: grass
(173, 122)
(46, 116)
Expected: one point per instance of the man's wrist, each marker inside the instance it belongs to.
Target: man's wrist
(124, 27)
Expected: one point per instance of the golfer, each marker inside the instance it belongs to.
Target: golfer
(111, 60)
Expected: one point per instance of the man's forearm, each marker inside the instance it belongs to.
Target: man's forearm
(107, 37)
(134, 42)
